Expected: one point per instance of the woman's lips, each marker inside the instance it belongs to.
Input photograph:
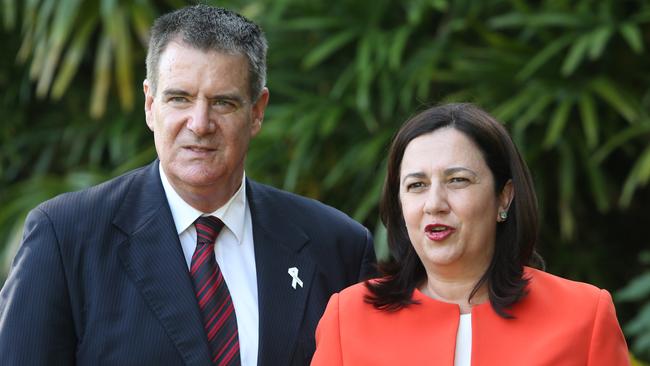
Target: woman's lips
(438, 232)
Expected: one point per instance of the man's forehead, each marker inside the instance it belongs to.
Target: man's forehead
(183, 54)
(185, 67)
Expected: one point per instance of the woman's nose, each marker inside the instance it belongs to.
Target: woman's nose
(436, 200)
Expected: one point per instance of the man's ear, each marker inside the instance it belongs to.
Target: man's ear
(148, 102)
(258, 111)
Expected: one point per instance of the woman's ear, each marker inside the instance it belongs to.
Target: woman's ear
(504, 201)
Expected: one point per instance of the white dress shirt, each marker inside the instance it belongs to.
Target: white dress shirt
(235, 255)
(464, 341)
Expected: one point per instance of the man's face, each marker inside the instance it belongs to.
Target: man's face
(202, 118)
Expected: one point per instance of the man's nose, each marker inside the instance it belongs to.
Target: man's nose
(199, 120)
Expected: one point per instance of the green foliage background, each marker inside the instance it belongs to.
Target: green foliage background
(570, 79)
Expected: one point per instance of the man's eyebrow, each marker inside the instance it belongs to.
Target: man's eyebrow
(180, 92)
(234, 97)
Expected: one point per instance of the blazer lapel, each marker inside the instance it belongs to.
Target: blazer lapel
(278, 245)
(153, 258)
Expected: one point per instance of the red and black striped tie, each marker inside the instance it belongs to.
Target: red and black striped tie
(213, 296)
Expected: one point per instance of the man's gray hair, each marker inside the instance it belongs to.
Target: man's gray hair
(210, 28)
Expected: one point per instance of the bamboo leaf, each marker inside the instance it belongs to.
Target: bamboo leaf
(300, 156)
(599, 39)
(637, 289)
(642, 16)
(107, 7)
(25, 49)
(329, 47)
(613, 94)
(38, 61)
(73, 56)
(343, 82)
(620, 139)
(543, 20)
(558, 122)
(513, 106)
(544, 56)
(369, 200)
(566, 182)
(632, 35)
(28, 29)
(41, 21)
(589, 120)
(575, 56)
(29, 14)
(142, 15)
(61, 28)
(397, 46)
(312, 23)
(15, 236)
(9, 12)
(639, 176)
(535, 110)
(117, 27)
(331, 119)
(102, 77)
(365, 71)
(598, 187)
(640, 324)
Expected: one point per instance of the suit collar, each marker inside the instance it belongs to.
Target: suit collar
(279, 246)
(153, 258)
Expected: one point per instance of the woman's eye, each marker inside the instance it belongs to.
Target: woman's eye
(459, 181)
(414, 185)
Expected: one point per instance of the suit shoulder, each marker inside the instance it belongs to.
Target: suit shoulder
(101, 197)
(301, 208)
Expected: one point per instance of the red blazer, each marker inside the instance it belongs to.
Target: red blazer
(559, 323)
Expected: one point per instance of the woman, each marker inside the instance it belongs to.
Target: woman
(461, 215)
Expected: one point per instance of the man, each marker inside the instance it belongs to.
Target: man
(124, 273)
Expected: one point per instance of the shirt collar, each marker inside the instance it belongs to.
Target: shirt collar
(232, 213)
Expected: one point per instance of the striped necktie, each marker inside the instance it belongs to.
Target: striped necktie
(213, 296)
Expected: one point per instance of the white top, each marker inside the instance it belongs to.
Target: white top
(463, 356)
(235, 255)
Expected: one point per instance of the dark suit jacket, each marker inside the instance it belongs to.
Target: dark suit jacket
(100, 278)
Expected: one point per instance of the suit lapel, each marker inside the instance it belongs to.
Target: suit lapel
(278, 245)
(153, 259)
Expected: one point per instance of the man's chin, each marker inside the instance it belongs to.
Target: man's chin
(197, 175)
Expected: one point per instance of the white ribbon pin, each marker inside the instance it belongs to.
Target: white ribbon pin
(293, 272)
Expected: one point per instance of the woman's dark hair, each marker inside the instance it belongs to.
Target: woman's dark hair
(515, 237)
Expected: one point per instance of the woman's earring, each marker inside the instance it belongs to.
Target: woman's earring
(503, 215)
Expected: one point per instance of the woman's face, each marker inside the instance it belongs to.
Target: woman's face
(448, 202)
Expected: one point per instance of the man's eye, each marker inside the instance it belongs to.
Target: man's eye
(223, 106)
(178, 99)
